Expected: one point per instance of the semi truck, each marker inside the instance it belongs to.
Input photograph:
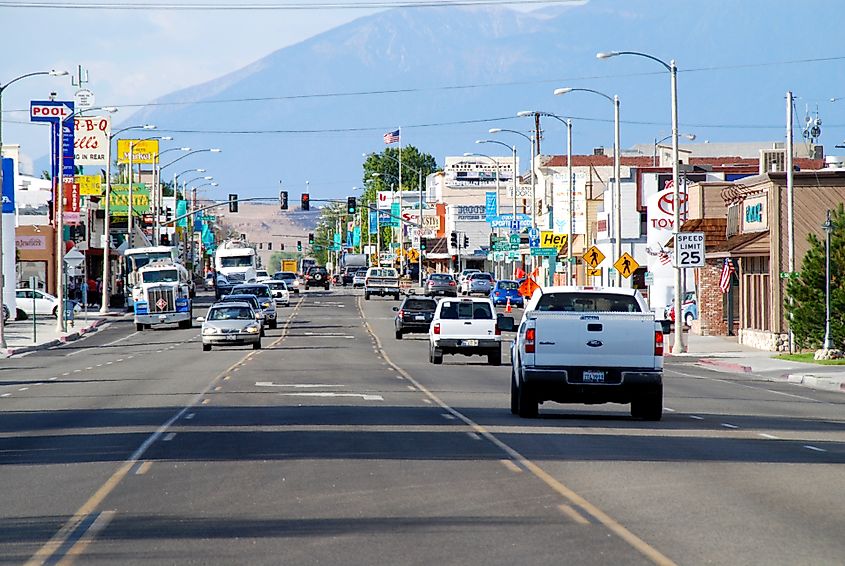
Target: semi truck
(164, 295)
(236, 262)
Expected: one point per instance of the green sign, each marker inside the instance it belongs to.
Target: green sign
(515, 240)
(501, 246)
(119, 199)
(548, 252)
(513, 255)
(207, 218)
(788, 275)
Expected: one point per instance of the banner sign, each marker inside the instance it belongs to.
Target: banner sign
(394, 214)
(143, 151)
(490, 205)
(91, 139)
(356, 236)
(373, 222)
(505, 220)
(119, 201)
(89, 185)
(8, 185)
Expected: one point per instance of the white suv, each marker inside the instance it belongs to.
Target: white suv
(466, 326)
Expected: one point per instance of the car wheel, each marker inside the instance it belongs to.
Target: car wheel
(256, 345)
(206, 347)
(436, 356)
(514, 395)
(398, 334)
(648, 406)
(688, 319)
(20, 315)
(273, 324)
(527, 408)
(55, 312)
(366, 296)
(396, 297)
(494, 358)
(139, 327)
(185, 323)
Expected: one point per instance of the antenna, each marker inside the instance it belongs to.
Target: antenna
(81, 77)
(812, 126)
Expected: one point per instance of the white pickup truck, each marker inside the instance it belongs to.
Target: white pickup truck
(381, 281)
(469, 327)
(588, 345)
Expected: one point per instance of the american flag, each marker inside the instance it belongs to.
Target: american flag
(391, 137)
(727, 270)
(664, 257)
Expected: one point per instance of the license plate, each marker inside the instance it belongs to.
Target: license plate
(469, 343)
(419, 317)
(230, 337)
(591, 376)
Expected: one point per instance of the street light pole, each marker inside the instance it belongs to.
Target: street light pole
(515, 175)
(677, 344)
(828, 230)
(571, 186)
(498, 264)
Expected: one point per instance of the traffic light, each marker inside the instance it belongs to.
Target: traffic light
(233, 202)
(305, 203)
(311, 239)
(168, 214)
(422, 244)
(351, 205)
(454, 239)
(283, 200)
(298, 246)
(466, 241)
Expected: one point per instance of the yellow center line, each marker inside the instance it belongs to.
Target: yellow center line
(610, 523)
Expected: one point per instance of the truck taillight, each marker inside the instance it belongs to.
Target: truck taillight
(498, 330)
(437, 328)
(530, 335)
(658, 343)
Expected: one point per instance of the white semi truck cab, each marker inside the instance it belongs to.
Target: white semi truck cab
(163, 295)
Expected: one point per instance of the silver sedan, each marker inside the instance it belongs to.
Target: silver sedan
(231, 324)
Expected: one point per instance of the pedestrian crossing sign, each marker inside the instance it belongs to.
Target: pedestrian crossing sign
(594, 272)
(593, 257)
(626, 265)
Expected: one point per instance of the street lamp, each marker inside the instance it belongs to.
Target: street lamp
(3, 87)
(828, 230)
(531, 143)
(130, 205)
(690, 137)
(104, 306)
(515, 177)
(617, 167)
(157, 187)
(677, 344)
(498, 186)
(571, 185)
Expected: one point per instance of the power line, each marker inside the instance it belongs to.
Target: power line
(269, 6)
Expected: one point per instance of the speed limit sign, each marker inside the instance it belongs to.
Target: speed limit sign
(689, 249)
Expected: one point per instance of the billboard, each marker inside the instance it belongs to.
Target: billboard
(475, 172)
(143, 151)
(91, 140)
(560, 202)
(119, 199)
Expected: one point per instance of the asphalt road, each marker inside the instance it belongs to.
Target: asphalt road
(337, 444)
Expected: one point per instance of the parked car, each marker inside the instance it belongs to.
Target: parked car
(291, 280)
(280, 292)
(359, 278)
(504, 290)
(42, 304)
(231, 323)
(440, 284)
(413, 315)
(480, 283)
(469, 327)
(690, 308)
(266, 300)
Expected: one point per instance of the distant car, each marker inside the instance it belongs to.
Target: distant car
(463, 274)
(413, 315)
(504, 290)
(359, 278)
(690, 306)
(266, 300)
(251, 300)
(42, 304)
(291, 280)
(280, 292)
(231, 323)
(440, 284)
(477, 283)
(261, 276)
(317, 277)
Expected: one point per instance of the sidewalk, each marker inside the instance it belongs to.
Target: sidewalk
(19, 333)
(724, 353)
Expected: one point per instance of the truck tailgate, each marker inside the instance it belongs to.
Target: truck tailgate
(600, 340)
(467, 328)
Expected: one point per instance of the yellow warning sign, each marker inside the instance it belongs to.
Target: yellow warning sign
(594, 272)
(626, 265)
(549, 239)
(593, 257)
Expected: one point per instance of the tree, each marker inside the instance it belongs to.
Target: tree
(381, 173)
(805, 303)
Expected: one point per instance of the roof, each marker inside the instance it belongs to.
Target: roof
(643, 161)
(738, 241)
(714, 229)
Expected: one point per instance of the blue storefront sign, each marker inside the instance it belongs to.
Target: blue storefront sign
(490, 205)
(373, 222)
(8, 185)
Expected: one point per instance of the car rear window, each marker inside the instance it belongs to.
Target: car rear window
(440, 277)
(508, 285)
(230, 313)
(420, 304)
(587, 302)
(466, 311)
(485, 276)
(258, 291)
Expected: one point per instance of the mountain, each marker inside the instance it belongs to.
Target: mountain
(315, 127)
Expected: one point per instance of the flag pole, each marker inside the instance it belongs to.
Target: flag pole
(401, 225)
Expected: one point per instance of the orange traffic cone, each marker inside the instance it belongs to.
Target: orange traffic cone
(508, 306)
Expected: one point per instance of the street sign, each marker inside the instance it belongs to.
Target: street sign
(790, 275)
(593, 257)
(649, 278)
(50, 110)
(548, 252)
(73, 258)
(626, 265)
(549, 239)
(594, 272)
(534, 238)
(84, 98)
(689, 249)
(514, 241)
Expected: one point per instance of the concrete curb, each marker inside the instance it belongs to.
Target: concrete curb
(816, 382)
(73, 336)
(724, 365)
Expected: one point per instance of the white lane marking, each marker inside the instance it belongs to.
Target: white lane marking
(54, 378)
(158, 351)
(169, 436)
(120, 339)
(189, 416)
(411, 387)
(120, 359)
(218, 388)
(427, 401)
(107, 363)
(364, 396)
(77, 371)
(474, 436)
(769, 436)
(346, 336)
(790, 395)
(696, 417)
(68, 373)
(668, 409)
(129, 357)
(295, 385)
(729, 425)
(99, 365)
(815, 448)
(682, 374)
(6, 395)
(448, 416)
(89, 368)
(23, 388)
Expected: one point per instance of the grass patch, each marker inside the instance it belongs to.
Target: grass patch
(808, 359)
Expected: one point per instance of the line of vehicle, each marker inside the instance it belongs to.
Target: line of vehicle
(571, 496)
(48, 551)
